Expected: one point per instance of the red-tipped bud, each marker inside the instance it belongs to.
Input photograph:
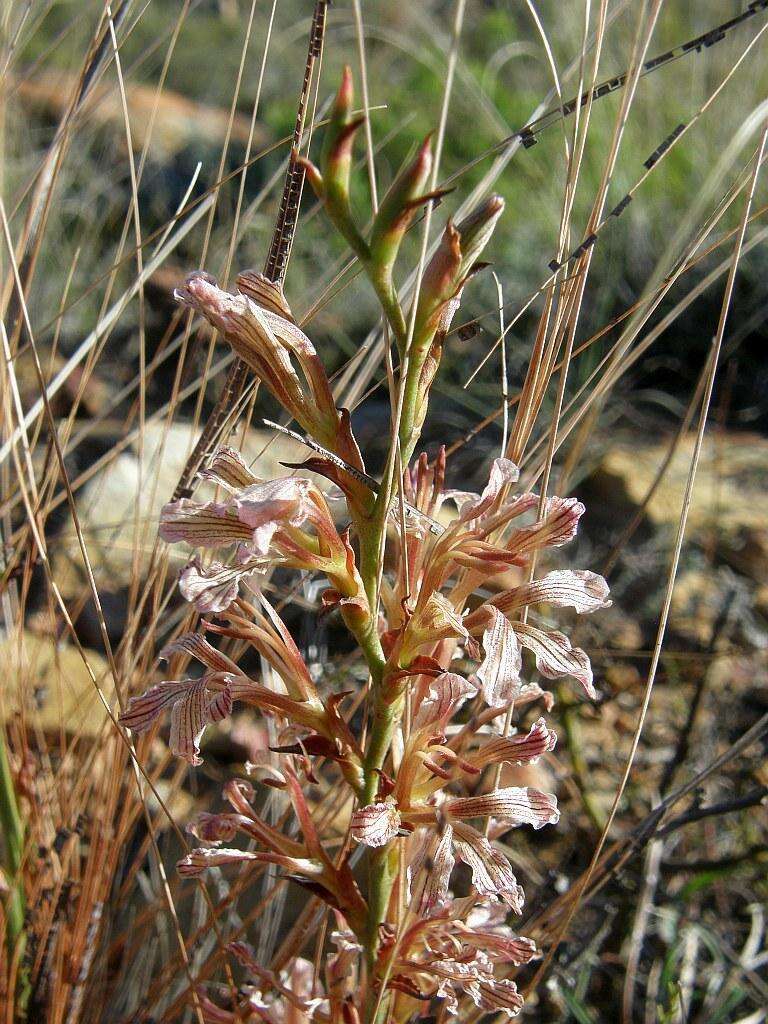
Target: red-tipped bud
(331, 182)
(345, 96)
(336, 156)
(314, 177)
(441, 279)
(454, 261)
(399, 206)
(476, 230)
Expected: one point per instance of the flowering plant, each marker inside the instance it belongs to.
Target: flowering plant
(444, 633)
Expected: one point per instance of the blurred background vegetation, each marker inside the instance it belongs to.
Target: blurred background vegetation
(503, 76)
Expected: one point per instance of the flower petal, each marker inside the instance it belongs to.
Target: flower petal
(471, 506)
(563, 588)
(514, 805)
(436, 620)
(197, 861)
(208, 525)
(531, 692)
(265, 293)
(228, 468)
(247, 329)
(263, 770)
(499, 995)
(188, 722)
(500, 670)
(446, 692)
(498, 941)
(199, 648)
(267, 341)
(520, 749)
(219, 706)
(341, 965)
(285, 500)
(376, 824)
(214, 587)
(431, 870)
(556, 657)
(214, 828)
(556, 527)
(492, 874)
(143, 709)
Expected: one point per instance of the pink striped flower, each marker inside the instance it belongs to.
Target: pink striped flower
(283, 522)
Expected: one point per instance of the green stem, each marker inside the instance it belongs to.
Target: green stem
(385, 719)
(386, 714)
(383, 867)
(337, 207)
(13, 841)
(409, 429)
(387, 295)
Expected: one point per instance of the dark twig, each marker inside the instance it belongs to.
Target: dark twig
(650, 828)
(684, 738)
(751, 799)
(274, 267)
(759, 850)
(616, 858)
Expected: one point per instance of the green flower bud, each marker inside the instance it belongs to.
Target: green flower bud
(336, 155)
(454, 262)
(399, 207)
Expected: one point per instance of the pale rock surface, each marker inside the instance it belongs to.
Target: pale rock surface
(121, 504)
(728, 509)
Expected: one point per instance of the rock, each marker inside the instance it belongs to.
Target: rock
(175, 120)
(128, 488)
(697, 602)
(728, 509)
(48, 680)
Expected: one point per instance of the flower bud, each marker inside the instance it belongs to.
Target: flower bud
(314, 177)
(375, 824)
(454, 261)
(336, 155)
(435, 620)
(331, 181)
(476, 230)
(399, 206)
